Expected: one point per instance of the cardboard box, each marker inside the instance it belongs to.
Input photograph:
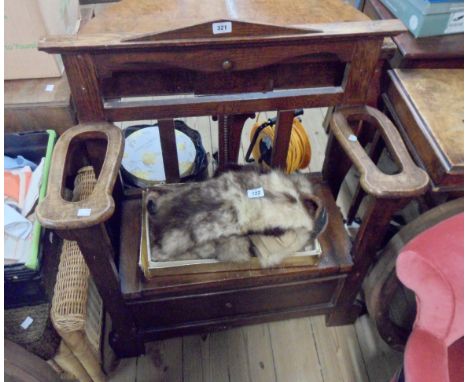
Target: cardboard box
(431, 23)
(38, 104)
(27, 21)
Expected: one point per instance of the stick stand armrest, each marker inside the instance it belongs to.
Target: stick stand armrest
(98, 140)
(410, 181)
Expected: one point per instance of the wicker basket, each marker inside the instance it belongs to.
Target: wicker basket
(77, 310)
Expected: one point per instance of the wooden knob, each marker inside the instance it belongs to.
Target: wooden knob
(227, 65)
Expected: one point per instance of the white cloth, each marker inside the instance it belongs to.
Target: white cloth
(16, 250)
(33, 191)
(15, 224)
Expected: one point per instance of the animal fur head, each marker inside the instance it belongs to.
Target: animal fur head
(215, 218)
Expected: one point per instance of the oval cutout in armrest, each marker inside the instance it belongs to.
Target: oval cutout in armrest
(54, 211)
(410, 181)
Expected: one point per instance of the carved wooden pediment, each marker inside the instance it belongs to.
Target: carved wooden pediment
(220, 29)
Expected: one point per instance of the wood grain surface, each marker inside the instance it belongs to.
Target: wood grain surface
(438, 96)
(56, 213)
(408, 182)
(427, 107)
(138, 17)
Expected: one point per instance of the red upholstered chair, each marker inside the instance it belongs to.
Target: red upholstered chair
(432, 266)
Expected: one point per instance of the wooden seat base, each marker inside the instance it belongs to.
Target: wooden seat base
(204, 302)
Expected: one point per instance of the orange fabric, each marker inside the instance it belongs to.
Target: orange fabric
(13, 183)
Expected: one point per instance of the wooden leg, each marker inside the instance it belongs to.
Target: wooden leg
(336, 165)
(98, 253)
(368, 240)
(359, 76)
(84, 86)
(375, 87)
(358, 197)
(337, 162)
(345, 314)
(235, 134)
(375, 151)
(169, 150)
(327, 119)
(282, 138)
(128, 344)
(229, 137)
(224, 125)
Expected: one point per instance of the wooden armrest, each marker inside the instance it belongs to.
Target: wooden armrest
(410, 181)
(57, 213)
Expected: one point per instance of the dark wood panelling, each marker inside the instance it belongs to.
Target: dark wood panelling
(241, 301)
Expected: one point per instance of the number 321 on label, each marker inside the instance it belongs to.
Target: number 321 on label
(225, 27)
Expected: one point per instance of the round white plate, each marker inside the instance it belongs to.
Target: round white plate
(143, 156)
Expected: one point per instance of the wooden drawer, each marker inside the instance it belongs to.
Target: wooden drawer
(218, 71)
(169, 81)
(240, 302)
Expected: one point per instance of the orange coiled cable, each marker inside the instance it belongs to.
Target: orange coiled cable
(299, 152)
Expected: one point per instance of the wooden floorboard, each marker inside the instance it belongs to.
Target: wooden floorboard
(195, 358)
(302, 350)
(237, 362)
(293, 350)
(125, 371)
(326, 349)
(295, 356)
(163, 361)
(260, 360)
(348, 354)
(381, 361)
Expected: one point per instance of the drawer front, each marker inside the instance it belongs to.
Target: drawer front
(248, 301)
(170, 81)
(218, 71)
(293, 75)
(221, 59)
